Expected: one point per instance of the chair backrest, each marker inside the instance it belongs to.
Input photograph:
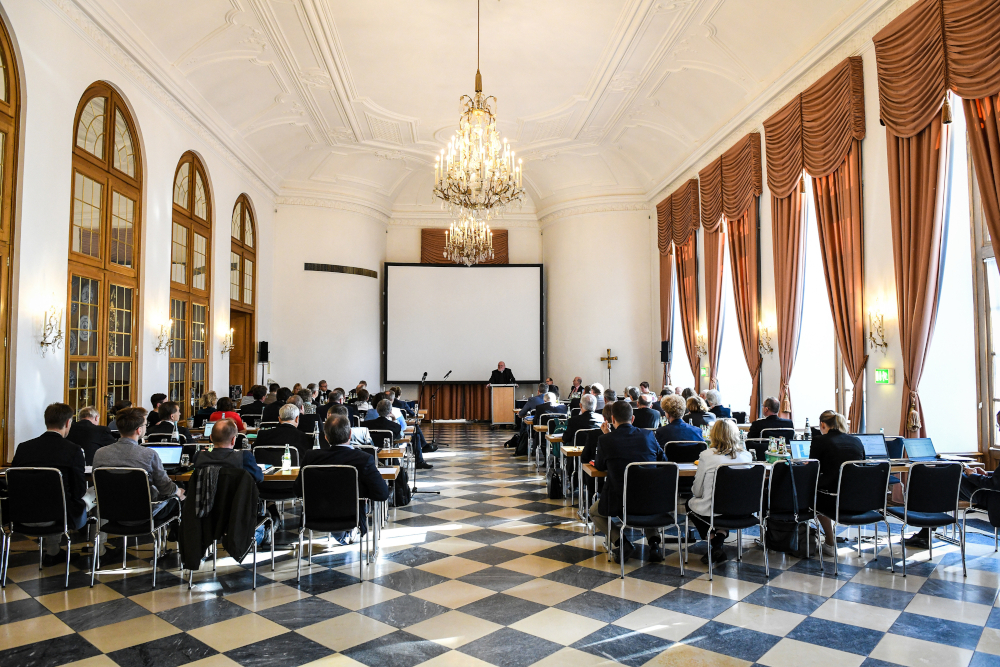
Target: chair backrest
(580, 437)
(740, 417)
(382, 439)
(758, 446)
(894, 446)
(806, 473)
(373, 451)
(650, 488)
(739, 489)
(36, 495)
(933, 486)
(123, 495)
(357, 421)
(154, 438)
(557, 424)
(263, 426)
(786, 433)
(271, 455)
(251, 419)
(862, 486)
(329, 493)
(574, 412)
(544, 419)
(684, 451)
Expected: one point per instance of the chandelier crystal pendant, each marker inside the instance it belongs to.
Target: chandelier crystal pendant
(476, 176)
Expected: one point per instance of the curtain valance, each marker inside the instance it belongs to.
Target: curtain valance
(730, 183)
(677, 215)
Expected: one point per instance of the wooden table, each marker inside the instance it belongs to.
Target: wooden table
(389, 473)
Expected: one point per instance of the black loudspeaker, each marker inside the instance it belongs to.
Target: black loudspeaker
(666, 351)
(262, 352)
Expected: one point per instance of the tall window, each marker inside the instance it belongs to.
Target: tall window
(242, 256)
(10, 101)
(190, 283)
(735, 383)
(680, 369)
(104, 251)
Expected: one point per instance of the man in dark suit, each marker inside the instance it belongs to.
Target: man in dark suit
(714, 400)
(170, 416)
(257, 407)
(154, 416)
(285, 433)
(676, 429)
(386, 421)
(502, 375)
(615, 450)
(89, 434)
(338, 433)
(770, 420)
(587, 419)
(336, 398)
(52, 450)
(549, 404)
(644, 416)
(270, 413)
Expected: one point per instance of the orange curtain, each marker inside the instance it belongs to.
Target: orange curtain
(715, 255)
(457, 401)
(432, 247)
(789, 239)
(687, 299)
(984, 145)
(743, 265)
(838, 216)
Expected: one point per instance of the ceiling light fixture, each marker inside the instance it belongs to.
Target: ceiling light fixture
(476, 177)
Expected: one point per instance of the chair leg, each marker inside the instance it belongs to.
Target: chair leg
(739, 545)
(621, 545)
(888, 532)
(69, 547)
(215, 555)
(763, 541)
(94, 563)
(272, 545)
(902, 544)
(875, 557)
(3, 558)
(41, 541)
(836, 557)
(255, 562)
(310, 550)
(156, 554)
(298, 564)
(711, 574)
(687, 529)
(996, 542)
(930, 544)
(125, 551)
(681, 560)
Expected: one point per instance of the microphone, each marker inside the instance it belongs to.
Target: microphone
(446, 376)
(424, 377)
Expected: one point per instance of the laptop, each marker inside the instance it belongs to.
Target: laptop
(208, 429)
(874, 444)
(170, 455)
(800, 449)
(922, 449)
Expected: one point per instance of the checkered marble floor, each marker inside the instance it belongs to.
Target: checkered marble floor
(492, 572)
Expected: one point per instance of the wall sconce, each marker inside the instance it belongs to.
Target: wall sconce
(701, 345)
(227, 343)
(876, 328)
(764, 340)
(163, 342)
(52, 333)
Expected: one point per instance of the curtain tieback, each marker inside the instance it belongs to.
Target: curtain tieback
(786, 405)
(913, 418)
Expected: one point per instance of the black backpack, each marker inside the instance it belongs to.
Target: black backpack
(401, 494)
(555, 488)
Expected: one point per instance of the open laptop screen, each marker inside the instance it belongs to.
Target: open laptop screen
(169, 455)
(874, 444)
(919, 448)
(800, 449)
(208, 429)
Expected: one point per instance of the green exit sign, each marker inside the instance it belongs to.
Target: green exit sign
(704, 371)
(885, 376)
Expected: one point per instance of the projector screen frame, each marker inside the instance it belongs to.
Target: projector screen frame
(459, 267)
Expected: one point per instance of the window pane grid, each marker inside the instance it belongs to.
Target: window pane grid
(199, 262)
(197, 385)
(87, 204)
(200, 202)
(90, 131)
(120, 321)
(199, 317)
(4, 94)
(83, 313)
(181, 185)
(119, 382)
(82, 384)
(237, 221)
(175, 384)
(122, 230)
(178, 255)
(234, 276)
(124, 157)
(248, 231)
(247, 281)
(178, 329)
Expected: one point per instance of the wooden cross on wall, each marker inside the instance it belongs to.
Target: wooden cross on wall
(609, 359)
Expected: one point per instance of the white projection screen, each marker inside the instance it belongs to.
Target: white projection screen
(441, 318)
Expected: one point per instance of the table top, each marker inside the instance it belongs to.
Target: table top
(389, 473)
(689, 469)
(554, 437)
(395, 453)
(539, 428)
(571, 452)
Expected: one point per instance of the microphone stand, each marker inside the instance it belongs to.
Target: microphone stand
(433, 425)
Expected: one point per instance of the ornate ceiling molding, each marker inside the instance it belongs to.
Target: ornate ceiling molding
(338, 204)
(595, 207)
(443, 222)
(852, 37)
(141, 74)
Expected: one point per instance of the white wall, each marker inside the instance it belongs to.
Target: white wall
(58, 64)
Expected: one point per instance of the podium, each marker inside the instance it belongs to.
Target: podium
(502, 404)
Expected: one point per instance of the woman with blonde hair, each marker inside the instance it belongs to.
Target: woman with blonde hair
(725, 446)
(697, 412)
(206, 407)
(831, 448)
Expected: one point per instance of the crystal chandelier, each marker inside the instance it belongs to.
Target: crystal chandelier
(476, 176)
(468, 241)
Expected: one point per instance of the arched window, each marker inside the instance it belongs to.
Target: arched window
(10, 102)
(190, 283)
(242, 295)
(104, 250)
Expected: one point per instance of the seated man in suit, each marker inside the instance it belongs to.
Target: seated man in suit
(359, 434)
(170, 417)
(714, 400)
(615, 450)
(770, 420)
(270, 413)
(529, 406)
(52, 450)
(338, 434)
(587, 419)
(576, 389)
(336, 398)
(224, 434)
(286, 432)
(644, 416)
(255, 408)
(676, 429)
(88, 433)
(154, 415)
(549, 404)
(386, 422)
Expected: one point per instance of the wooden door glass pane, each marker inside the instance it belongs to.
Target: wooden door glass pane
(4, 94)
(248, 231)
(178, 328)
(90, 131)
(124, 156)
(247, 281)
(119, 382)
(122, 250)
(3, 146)
(234, 276)
(197, 385)
(199, 262)
(175, 384)
(200, 201)
(237, 220)
(120, 321)
(83, 314)
(178, 255)
(82, 384)
(88, 199)
(198, 327)
(181, 186)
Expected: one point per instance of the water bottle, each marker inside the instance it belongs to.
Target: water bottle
(286, 459)
(316, 435)
(808, 433)
(175, 437)
(882, 431)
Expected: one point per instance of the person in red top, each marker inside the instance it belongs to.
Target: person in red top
(225, 410)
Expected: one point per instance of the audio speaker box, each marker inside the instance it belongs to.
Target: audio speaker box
(262, 352)
(666, 351)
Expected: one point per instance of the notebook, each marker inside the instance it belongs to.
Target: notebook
(800, 449)
(919, 449)
(874, 444)
(170, 455)
(208, 429)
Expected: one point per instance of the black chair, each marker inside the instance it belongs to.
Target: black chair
(787, 433)
(684, 451)
(126, 505)
(331, 502)
(860, 500)
(987, 503)
(36, 500)
(263, 426)
(252, 419)
(932, 491)
(653, 499)
(159, 438)
(758, 447)
(573, 412)
(6, 536)
(276, 492)
(540, 446)
(358, 421)
(791, 495)
(737, 503)
(382, 439)
(894, 445)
